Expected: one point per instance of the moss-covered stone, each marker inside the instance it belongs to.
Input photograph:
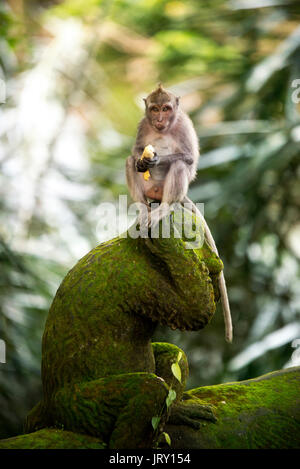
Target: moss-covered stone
(103, 380)
(257, 413)
(165, 355)
(51, 438)
(98, 364)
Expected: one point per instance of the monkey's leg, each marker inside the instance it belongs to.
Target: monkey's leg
(136, 191)
(222, 284)
(165, 355)
(133, 182)
(118, 408)
(188, 411)
(175, 187)
(190, 302)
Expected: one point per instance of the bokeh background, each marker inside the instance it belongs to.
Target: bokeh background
(75, 74)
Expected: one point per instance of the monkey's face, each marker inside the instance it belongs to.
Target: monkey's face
(161, 116)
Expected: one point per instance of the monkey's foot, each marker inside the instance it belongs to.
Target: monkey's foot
(192, 413)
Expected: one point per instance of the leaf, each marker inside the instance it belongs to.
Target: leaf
(176, 371)
(171, 397)
(167, 437)
(155, 421)
(179, 357)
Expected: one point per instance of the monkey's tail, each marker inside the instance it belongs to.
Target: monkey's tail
(222, 284)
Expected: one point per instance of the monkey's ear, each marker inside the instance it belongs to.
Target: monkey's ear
(145, 101)
(177, 100)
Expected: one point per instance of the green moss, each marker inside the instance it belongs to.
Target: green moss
(253, 414)
(258, 413)
(212, 261)
(100, 326)
(165, 356)
(52, 439)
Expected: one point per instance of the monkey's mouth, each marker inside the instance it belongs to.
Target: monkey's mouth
(160, 126)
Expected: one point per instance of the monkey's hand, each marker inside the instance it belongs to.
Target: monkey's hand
(192, 413)
(142, 165)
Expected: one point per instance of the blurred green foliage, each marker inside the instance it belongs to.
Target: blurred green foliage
(75, 73)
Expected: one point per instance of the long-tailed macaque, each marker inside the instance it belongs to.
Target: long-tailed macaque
(171, 132)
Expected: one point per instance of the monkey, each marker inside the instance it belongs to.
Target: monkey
(170, 131)
(173, 167)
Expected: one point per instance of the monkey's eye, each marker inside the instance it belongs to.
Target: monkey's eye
(166, 108)
(154, 109)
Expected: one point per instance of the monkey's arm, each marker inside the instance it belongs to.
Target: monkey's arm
(188, 301)
(172, 158)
